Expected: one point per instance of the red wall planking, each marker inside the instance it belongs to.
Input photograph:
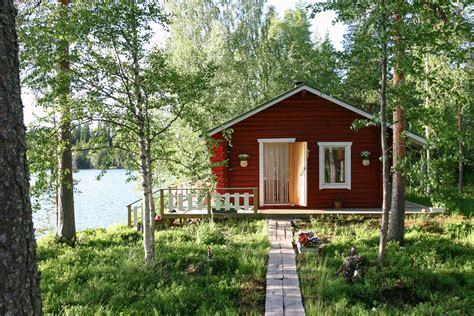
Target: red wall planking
(310, 119)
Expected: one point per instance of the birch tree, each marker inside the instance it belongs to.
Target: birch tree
(384, 135)
(128, 84)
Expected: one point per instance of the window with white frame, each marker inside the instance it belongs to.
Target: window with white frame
(334, 165)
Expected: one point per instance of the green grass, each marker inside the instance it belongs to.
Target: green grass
(105, 273)
(449, 198)
(433, 274)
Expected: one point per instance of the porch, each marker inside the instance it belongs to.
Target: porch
(188, 203)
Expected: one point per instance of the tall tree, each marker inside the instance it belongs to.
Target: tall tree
(256, 54)
(413, 30)
(19, 288)
(66, 222)
(130, 85)
(47, 30)
(397, 210)
(384, 135)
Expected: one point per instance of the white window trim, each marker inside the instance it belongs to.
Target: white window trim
(276, 140)
(262, 141)
(347, 160)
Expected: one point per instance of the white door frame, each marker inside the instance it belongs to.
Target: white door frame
(261, 159)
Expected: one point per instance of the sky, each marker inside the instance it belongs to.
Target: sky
(321, 25)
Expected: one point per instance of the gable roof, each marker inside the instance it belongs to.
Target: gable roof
(293, 91)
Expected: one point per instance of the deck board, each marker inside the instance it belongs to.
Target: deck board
(411, 209)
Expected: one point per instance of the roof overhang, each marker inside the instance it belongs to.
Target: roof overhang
(417, 139)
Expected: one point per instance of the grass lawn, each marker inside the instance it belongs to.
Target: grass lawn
(449, 198)
(433, 274)
(106, 273)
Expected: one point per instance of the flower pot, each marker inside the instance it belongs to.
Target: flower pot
(366, 162)
(338, 204)
(309, 250)
(300, 249)
(244, 163)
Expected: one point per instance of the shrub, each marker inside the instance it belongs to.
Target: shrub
(210, 234)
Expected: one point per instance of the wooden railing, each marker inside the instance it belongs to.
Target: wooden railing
(191, 202)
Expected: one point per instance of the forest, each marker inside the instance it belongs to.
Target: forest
(137, 84)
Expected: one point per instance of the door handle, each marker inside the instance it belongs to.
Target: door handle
(303, 170)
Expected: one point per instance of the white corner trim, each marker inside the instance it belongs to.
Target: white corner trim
(276, 140)
(261, 188)
(348, 164)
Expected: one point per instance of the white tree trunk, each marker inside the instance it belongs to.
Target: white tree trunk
(146, 216)
(384, 143)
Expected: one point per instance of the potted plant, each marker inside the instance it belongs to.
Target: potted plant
(307, 241)
(365, 155)
(338, 201)
(244, 160)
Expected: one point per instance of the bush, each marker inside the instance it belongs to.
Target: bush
(210, 234)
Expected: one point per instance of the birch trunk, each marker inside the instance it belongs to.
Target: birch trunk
(460, 148)
(384, 143)
(19, 278)
(150, 191)
(66, 223)
(147, 233)
(427, 135)
(148, 237)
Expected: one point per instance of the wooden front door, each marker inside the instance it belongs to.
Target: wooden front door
(298, 160)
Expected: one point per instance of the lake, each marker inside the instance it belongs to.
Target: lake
(98, 203)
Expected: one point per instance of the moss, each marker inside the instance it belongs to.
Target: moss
(105, 271)
(431, 275)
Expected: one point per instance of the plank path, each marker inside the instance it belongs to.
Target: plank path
(283, 294)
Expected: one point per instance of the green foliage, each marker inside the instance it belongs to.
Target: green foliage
(256, 54)
(449, 198)
(210, 234)
(94, 148)
(430, 275)
(105, 273)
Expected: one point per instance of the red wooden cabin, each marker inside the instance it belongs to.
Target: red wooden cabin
(302, 153)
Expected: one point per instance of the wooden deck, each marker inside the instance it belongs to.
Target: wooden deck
(411, 209)
(184, 203)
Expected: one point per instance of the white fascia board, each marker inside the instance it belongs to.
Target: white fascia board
(416, 138)
(339, 102)
(255, 111)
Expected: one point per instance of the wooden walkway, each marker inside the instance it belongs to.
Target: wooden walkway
(283, 294)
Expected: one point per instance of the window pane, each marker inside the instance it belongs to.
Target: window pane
(334, 163)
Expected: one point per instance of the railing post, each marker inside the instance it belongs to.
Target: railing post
(162, 203)
(255, 201)
(129, 215)
(209, 206)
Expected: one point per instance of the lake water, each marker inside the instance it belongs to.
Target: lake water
(98, 203)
